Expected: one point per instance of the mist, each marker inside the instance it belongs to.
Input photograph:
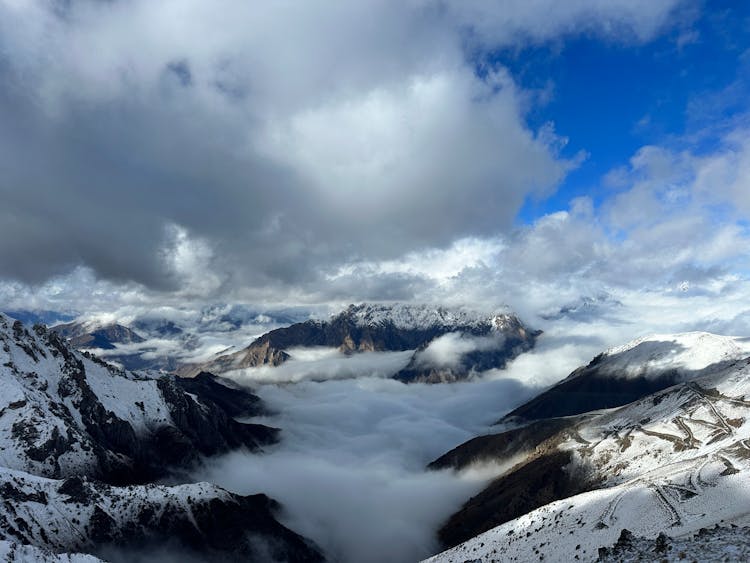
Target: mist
(349, 469)
(321, 364)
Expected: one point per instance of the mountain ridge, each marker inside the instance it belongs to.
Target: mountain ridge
(395, 327)
(663, 463)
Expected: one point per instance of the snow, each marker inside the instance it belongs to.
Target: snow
(415, 317)
(676, 462)
(33, 394)
(63, 522)
(12, 552)
(686, 352)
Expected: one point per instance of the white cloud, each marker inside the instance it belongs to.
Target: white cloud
(320, 364)
(275, 136)
(448, 349)
(350, 468)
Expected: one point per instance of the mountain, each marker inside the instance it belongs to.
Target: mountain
(65, 413)
(96, 336)
(626, 373)
(205, 521)
(472, 342)
(13, 552)
(40, 316)
(163, 339)
(668, 462)
(81, 440)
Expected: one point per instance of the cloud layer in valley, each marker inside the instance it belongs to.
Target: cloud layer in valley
(350, 467)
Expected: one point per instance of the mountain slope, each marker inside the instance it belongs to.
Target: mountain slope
(626, 373)
(80, 515)
(675, 461)
(63, 413)
(83, 335)
(72, 426)
(481, 341)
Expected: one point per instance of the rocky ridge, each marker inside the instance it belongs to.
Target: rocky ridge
(489, 341)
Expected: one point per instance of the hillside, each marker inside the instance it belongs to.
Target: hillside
(667, 462)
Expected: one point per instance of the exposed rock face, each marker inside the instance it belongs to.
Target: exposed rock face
(369, 328)
(74, 429)
(489, 345)
(65, 413)
(492, 447)
(84, 335)
(668, 459)
(543, 474)
(204, 520)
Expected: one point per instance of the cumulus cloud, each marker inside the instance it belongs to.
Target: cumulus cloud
(239, 160)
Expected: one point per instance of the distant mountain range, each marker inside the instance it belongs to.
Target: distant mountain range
(480, 341)
(158, 340)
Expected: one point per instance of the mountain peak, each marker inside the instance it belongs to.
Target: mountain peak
(409, 316)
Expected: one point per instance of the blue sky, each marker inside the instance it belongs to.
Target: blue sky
(611, 98)
(332, 152)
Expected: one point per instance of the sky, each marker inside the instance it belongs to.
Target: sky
(585, 163)
(535, 154)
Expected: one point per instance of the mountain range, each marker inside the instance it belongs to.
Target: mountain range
(478, 341)
(82, 442)
(643, 453)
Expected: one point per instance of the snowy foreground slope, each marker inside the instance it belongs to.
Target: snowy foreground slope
(12, 552)
(477, 341)
(74, 431)
(76, 514)
(675, 462)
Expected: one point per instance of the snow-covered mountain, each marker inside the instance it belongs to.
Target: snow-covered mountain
(74, 431)
(625, 373)
(163, 339)
(675, 461)
(472, 341)
(83, 335)
(76, 514)
(64, 413)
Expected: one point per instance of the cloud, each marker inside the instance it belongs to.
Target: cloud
(321, 364)
(517, 20)
(448, 349)
(206, 167)
(350, 468)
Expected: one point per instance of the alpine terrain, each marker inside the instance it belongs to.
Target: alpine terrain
(674, 462)
(480, 341)
(81, 442)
